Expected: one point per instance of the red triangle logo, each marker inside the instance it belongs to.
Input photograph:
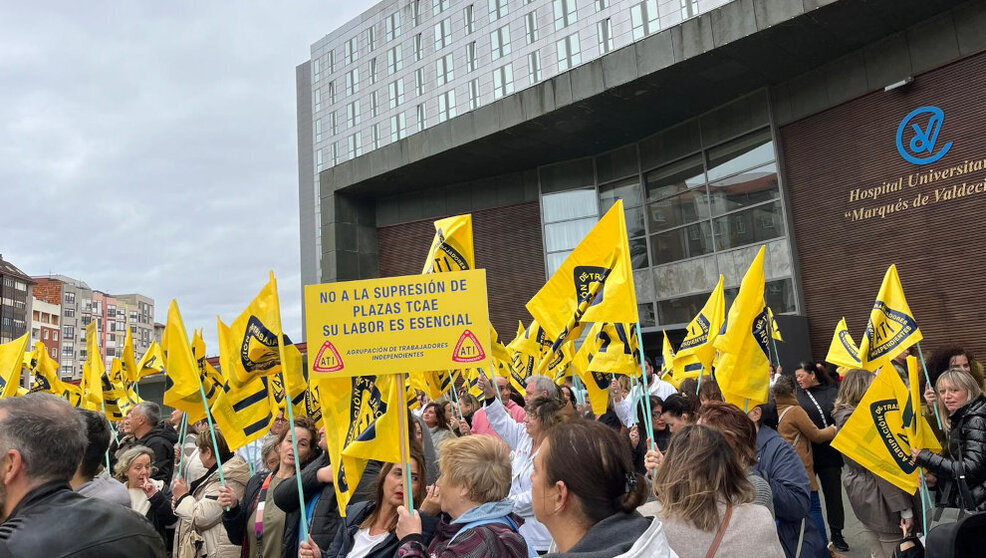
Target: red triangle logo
(468, 348)
(328, 359)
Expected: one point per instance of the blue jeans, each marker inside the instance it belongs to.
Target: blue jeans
(816, 514)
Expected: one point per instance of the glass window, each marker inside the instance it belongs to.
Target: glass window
(474, 98)
(500, 41)
(352, 113)
(602, 4)
(678, 244)
(778, 294)
(446, 105)
(70, 298)
(68, 332)
(471, 57)
(626, 190)
(754, 225)
(398, 127)
(375, 136)
(645, 312)
(415, 12)
(395, 59)
(604, 33)
(333, 123)
(318, 100)
(675, 178)
(534, 66)
(566, 235)
(419, 81)
(332, 61)
(421, 117)
(351, 51)
(469, 15)
(643, 19)
(573, 204)
(443, 67)
(744, 189)
(419, 49)
(318, 161)
(503, 81)
(374, 105)
(318, 130)
(371, 38)
(439, 6)
(751, 150)
(531, 27)
(498, 9)
(352, 82)
(678, 210)
(373, 71)
(638, 250)
(355, 145)
(316, 70)
(443, 33)
(396, 93)
(555, 260)
(680, 310)
(332, 92)
(689, 8)
(393, 26)
(564, 13)
(569, 52)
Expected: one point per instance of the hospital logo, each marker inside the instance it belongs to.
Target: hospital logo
(918, 133)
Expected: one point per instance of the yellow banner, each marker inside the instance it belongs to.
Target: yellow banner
(399, 324)
(452, 248)
(843, 350)
(892, 327)
(697, 349)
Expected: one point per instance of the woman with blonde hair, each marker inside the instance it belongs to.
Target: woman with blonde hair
(880, 506)
(961, 473)
(705, 500)
(148, 497)
(476, 516)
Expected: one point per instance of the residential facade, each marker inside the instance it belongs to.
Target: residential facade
(45, 326)
(15, 301)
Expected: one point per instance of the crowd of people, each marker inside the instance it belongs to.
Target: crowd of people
(501, 475)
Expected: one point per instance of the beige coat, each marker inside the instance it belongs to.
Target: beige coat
(200, 531)
(797, 429)
(751, 532)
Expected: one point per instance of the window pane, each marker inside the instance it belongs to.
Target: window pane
(684, 208)
(627, 190)
(676, 177)
(680, 310)
(567, 234)
(569, 205)
(778, 294)
(740, 154)
(747, 227)
(638, 253)
(744, 189)
(646, 314)
(555, 260)
(678, 244)
(635, 221)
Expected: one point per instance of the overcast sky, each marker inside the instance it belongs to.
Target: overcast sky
(151, 147)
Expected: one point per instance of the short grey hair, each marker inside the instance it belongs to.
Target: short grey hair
(48, 432)
(543, 384)
(149, 410)
(127, 459)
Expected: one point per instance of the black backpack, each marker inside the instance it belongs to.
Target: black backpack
(965, 537)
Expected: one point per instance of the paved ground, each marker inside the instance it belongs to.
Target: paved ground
(852, 532)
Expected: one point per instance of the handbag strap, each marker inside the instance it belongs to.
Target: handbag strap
(721, 532)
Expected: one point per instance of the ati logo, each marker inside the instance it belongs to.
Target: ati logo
(889, 332)
(313, 405)
(40, 384)
(447, 257)
(468, 348)
(698, 332)
(259, 348)
(585, 278)
(916, 144)
(847, 344)
(885, 413)
(601, 380)
(761, 331)
(366, 407)
(328, 359)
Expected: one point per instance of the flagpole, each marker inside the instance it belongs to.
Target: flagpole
(290, 405)
(212, 431)
(405, 447)
(701, 373)
(182, 432)
(648, 420)
(924, 503)
(108, 470)
(927, 378)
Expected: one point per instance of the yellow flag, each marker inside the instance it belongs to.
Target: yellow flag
(743, 372)
(533, 341)
(618, 350)
(697, 349)
(243, 413)
(602, 257)
(892, 327)
(182, 382)
(92, 371)
(842, 349)
(11, 362)
(152, 362)
(521, 368)
(129, 359)
(452, 248)
(596, 383)
(256, 335)
(297, 384)
(361, 423)
(876, 435)
(667, 357)
(212, 380)
(559, 361)
(775, 330)
(921, 434)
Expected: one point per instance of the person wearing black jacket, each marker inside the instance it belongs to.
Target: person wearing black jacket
(279, 530)
(961, 397)
(42, 516)
(816, 395)
(149, 430)
(316, 480)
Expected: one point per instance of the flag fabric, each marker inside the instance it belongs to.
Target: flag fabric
(618, 349)
(92, 371)
(47, 380)
(593, 284)
(212, 380)
(843, 350)
(256, 334)
(297, 384)
(243, 413)
(129, 359)
(533, 340)
(775, 330)
(181, 389)
(920, 433)
(876, 435)
(698, 346)
(596, 383)
(892, 327)
(452, 248)
(11, 362)
(361, 423)
(667, 357)
(743, 370)
(559, 362)
(152, 362)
